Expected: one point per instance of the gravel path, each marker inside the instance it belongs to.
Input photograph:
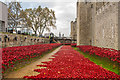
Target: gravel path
(29, 69)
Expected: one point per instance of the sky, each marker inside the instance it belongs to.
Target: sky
(65, 11)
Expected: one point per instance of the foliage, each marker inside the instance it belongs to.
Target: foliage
(14, 9)
(39, 19)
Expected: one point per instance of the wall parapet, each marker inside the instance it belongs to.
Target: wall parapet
(11, 40)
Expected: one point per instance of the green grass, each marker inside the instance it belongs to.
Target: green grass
(102, 61)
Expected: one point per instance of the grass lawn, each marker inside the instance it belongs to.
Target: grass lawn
(102, 61)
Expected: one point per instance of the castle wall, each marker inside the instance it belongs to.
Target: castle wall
(119, 26)
(74, 30)
(97, 24)
(84, 22)
(106, 26)
(21, 40)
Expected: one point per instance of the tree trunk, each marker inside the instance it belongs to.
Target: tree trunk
(40, 34)
(43, 29)
(35, 33)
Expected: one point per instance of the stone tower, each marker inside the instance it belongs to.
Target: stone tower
(84, 23)
(98, 24)
(74, 29)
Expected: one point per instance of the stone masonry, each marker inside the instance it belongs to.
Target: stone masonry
(84, 23)
(74, 30)
(3, 17)
(97, 24)
(11, 40)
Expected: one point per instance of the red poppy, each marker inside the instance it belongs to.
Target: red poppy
(12, 54)
(68, 63)
(109, 53)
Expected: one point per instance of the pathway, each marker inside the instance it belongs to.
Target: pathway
(29, 69)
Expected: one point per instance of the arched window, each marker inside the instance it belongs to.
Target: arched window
(38, 40)
(15, 38)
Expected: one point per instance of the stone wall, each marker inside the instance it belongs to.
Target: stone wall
(78, 23)
(84, 23)
(20, 40)
(71, 33)
(106, 29)
(97, 24)
(3, 17)
(74, 30)
(119, 26)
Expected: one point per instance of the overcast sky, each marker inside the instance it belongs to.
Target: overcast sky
(65, 11)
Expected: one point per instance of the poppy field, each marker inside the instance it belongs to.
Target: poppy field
(109, 53)
(73, 44)
(11, 55)
(68, 63)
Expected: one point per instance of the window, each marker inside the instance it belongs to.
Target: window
(85, 1)
(91, 5)
(2, 25)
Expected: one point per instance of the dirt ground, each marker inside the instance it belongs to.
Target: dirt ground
(29, 69)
